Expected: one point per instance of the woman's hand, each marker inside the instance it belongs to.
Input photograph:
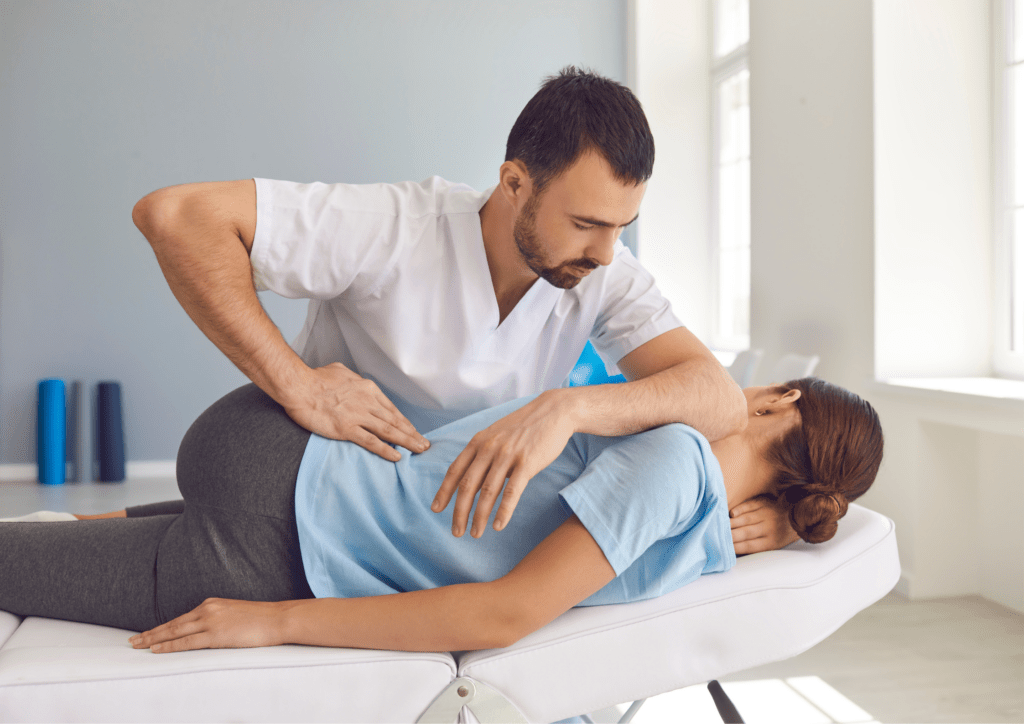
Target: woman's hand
(216, 623)
(758, 526)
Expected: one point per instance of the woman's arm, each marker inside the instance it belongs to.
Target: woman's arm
(564, 569)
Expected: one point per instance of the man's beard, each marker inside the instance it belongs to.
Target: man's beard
(524, 231)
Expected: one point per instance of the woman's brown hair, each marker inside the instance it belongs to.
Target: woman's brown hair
(827, 460)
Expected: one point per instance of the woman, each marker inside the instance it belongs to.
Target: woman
(273, 516)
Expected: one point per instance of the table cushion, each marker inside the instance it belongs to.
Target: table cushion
(62, 671)
(769, 607)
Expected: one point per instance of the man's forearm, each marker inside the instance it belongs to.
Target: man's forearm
(207, 269)
(699, 393)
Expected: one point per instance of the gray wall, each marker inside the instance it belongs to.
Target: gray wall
(103, 102)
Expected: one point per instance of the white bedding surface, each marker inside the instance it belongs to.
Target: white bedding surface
(769, 607)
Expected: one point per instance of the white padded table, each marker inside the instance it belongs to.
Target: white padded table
(769, 607)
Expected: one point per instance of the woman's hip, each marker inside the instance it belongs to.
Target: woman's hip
(242, 453)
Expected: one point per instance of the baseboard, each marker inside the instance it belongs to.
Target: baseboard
(134, 470)
(17, 473)
(150, 469)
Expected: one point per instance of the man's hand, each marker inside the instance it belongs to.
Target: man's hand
(759, 526)
(515, 448)
(216, 623)
(339, 404)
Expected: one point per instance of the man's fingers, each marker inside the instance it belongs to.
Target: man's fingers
(466, 494)
(392, 433)
(393, 416)
(510, 498)
(374, 444)
(489, 491)
(451, 480)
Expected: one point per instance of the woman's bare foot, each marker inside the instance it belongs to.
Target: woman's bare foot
(98, 516)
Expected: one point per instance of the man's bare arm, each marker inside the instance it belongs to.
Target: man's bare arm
(202, 235)
(674, 377)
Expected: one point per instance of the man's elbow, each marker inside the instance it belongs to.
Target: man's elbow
(155, 211)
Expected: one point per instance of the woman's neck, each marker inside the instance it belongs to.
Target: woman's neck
(744, 468)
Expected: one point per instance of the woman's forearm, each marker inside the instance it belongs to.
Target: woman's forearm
(451, 618)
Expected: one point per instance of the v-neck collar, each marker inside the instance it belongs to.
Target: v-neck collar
(537, 302)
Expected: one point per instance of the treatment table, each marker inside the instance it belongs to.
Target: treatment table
(769, 607)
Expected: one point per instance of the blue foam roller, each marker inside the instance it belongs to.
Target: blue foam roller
(110, 432)
(51, 434)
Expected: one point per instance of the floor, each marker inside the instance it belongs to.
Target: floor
(942, 660)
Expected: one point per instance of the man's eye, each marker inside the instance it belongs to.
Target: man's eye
(581, 227)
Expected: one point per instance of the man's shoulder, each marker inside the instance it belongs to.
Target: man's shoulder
(434, 196)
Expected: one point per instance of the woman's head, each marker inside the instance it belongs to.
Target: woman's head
(826, 459)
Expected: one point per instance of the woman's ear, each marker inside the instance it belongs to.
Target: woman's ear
(515, 183)
(779, 404)
(790, 397)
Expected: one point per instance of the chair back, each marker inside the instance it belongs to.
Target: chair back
(743, 367)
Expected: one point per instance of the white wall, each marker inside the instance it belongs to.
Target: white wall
(671, 77)
(812, 200)
(954, 478)
(933, 188)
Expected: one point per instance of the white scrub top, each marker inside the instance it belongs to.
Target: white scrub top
(400, 292)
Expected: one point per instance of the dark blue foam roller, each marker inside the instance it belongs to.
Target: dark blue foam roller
(110, 432)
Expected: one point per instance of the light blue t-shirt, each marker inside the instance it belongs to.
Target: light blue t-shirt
(654, 502)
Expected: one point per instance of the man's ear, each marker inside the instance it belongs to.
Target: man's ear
(515, 183)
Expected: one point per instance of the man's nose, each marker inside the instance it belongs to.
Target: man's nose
(604, 251)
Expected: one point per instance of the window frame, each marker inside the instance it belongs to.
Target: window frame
(1006, 361)
(722, 69)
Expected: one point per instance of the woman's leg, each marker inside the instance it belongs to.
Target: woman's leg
(170, 507)
(98, 571)
(237, 536)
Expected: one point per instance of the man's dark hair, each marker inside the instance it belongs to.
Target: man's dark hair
(577, 111)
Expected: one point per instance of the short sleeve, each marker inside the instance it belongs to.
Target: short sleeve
(633, 311)
(317, 241)
(639, 490)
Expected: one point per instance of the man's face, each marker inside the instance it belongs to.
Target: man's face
(571, 228)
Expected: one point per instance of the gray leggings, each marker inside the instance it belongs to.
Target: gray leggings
(233, 535)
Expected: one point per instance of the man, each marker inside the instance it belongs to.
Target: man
(430, 301)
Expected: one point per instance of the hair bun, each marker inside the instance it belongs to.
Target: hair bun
(815, 517)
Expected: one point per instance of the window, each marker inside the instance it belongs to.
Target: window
(730, 168)
(1009, 168)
